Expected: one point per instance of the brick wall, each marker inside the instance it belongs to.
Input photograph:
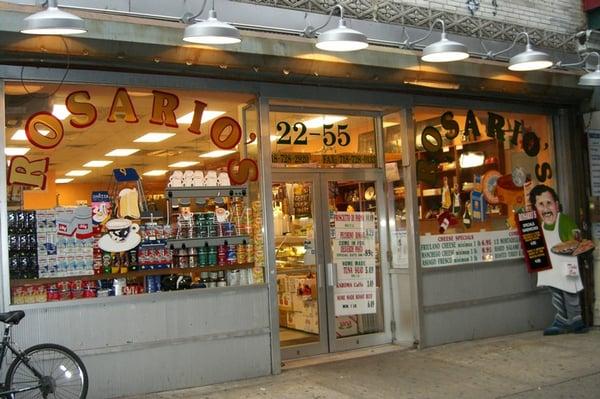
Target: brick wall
(564, 16)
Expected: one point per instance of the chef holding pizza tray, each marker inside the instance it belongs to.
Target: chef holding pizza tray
(563, 239)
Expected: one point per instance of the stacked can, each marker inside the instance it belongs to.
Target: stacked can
(212, 255)
(242, 254)
(192, 257)
(231, 255)
(205, 225)
(222, 254)
(257, 274)
(203, 256)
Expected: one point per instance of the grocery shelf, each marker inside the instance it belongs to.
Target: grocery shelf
(199, 192)
(131, 274)
(177, 243)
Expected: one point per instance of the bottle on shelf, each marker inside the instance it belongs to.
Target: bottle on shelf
(467, 215)
(455, 198)
(446, 195)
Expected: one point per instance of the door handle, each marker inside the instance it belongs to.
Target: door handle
(330, 277)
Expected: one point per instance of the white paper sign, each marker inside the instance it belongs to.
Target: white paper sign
(456, 249)
(353, 246)
(399, 248)
(594, 157)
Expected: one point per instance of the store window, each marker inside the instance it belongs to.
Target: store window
(392, 127)
(322, 140)
(122, 191)
(474, 170)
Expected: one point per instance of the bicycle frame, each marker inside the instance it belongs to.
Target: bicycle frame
(6, 345)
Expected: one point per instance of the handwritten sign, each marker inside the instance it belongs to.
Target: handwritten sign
(353, 245)
(532, 238)
(456, 249)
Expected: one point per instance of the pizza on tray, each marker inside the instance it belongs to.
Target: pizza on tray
(573, 247)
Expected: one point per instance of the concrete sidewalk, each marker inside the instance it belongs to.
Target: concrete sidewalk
(517, 367)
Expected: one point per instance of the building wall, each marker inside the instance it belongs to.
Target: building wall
(550, 23)
(540, 18)
(555, 15)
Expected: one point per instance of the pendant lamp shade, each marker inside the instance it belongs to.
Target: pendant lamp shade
(530, 60)
(591, 78)
(445, 50)
(53, 21)
(341, 39)
(212, 31)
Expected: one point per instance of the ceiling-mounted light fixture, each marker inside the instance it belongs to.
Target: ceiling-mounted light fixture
(211, 31)
(53, 21)
(528, 60)
(443, 50)
(591, 79)
(338, 39)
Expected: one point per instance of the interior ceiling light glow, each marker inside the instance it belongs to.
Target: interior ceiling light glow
(20, 135)
(81, 172)
(63, 180)
(97, 164)
(121, 152)
(156, 172)
(471, 159)
(433, 84)
(206, 116)
(153, 137)
(10, 151)
(60, 111)
(53, 21)
(323, 120)
(216, 153)
(183, 164)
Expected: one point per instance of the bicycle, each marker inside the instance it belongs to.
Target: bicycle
(41, 371)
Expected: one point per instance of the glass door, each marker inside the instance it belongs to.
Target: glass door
(355, 284)
(328, 249)
(299, 262)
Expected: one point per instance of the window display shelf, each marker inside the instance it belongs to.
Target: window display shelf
(183, 243)
(132, 274)
(290, 239)
(196, 192)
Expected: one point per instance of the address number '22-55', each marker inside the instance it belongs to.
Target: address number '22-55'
(297, 134)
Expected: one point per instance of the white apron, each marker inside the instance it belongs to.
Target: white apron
(557, 276)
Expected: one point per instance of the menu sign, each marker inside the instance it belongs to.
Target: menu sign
(455, 249)
(353, 244)
(594, 158)
(532, 237)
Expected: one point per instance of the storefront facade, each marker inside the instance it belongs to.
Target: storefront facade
(332, 218)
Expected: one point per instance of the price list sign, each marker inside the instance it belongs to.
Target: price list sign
(456, 249)
(594, 160)
(353, 245)
(532, 237)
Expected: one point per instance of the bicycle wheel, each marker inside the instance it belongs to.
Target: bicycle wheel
(63, 373)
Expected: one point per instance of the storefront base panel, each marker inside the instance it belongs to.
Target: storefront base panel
(403, 311)
(178, 366)
(481, 300)
(164, 341)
